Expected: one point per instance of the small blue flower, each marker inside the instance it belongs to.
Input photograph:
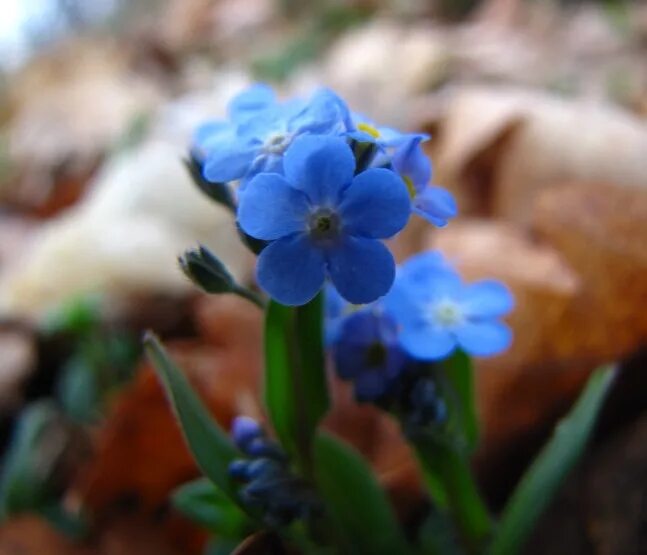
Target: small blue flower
(437, 313)
(433, 203)
(268, 482)
(261, 129)
(367, 352)
(322, 220)
(244, 430)
(364, 130)
(424, 405)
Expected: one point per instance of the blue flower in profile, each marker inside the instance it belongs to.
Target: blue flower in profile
(323, 220)
(363, 130)
(261, 129)
(438, 313)
(367, 352)
(433, 203)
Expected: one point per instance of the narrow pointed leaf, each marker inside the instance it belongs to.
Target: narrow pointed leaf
(356, 502)
(206, 505)
(452, 486)
(542, 480)
(210, 445)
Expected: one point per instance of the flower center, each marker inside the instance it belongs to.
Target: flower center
(368, 128)
(411, 188)
(376, 355)
(324, 225)
(446, 313)
(277, 143)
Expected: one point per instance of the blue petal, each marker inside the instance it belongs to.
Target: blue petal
(420, 266)
(362, 328)
(228, 160)
(410, 160)
(438, 283)
(212, 133)
(390, 137)
(486, 299)
(320, 166)
(264, 123)
(361, 269)
(426, 342)
(271, 208)
(324, 114)
(483, 338)
(256, 97)
(436, 205)
(291, 270)
(376, 204)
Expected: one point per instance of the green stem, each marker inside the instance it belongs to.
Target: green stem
(452, 485)
(250, 296)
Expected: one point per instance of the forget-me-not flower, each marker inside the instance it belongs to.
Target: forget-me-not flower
(322, 220)
(368, 353)
(261, 129)
(435, 204)
(437, 313)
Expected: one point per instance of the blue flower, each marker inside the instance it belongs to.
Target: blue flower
(368, 353)
(268, 482)
(437, 313)
(433, 203)
(363, 130)
(322, 220)
(261, 129)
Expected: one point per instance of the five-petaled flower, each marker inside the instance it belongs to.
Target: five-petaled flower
(367, 352)
(261, 129)
(431, 202)
(437, 313)
(323, 220)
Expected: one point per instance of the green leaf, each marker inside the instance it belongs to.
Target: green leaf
(296, 391)
(25, 483)
(210, 445)
(541, 481)
(218, 192)
(458, 371)
(452, 486)
(73, 526)
(79, 390)
(356, 502)
(79, 315)
(206, 505)
(437, 536)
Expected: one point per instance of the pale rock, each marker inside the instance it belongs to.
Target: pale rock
(377, 68)
(141, 213)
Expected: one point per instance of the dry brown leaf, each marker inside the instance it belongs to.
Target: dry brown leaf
(30, 535)
(580, 297)
(497, 148)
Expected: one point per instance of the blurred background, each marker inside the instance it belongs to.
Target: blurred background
(538, 116)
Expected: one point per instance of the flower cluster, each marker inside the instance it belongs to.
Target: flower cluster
(321, 187)
(428, 314)
(268, 481)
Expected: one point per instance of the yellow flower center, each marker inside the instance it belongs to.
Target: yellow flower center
(410, 187)
(367, 128)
